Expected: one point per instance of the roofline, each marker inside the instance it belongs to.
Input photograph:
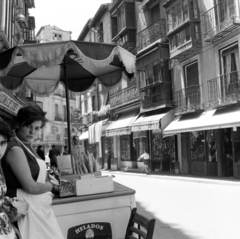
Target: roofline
(85, 30)
(100, 12)
(53, 29)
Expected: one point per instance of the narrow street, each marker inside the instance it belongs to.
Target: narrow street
(185, 210)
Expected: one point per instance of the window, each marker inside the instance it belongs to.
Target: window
(182, 37)
(194, 9)
(196, 32)
(185, 10)
(94, 108)
(179, 13)
(65, 112)
(156, 71)
(174, 16)
(100, 33)
(230, 59)
(56, 109)
(169, 20)
(197, 146)
(191, 75)
(57, 37)
(85, 106)
(155, 13)
(125, 147)
(229, 67)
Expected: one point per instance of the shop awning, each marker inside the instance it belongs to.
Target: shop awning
(212, 119)
(122, 126)
(84, 136)
(151, 122)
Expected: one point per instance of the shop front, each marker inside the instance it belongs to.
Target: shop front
(96, 144)
(120, 131)
(9, 107)
(150, 127)
(209, 142)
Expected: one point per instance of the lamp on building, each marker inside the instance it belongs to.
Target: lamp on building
(21, 19)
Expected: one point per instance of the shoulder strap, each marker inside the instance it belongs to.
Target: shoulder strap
(20, 142)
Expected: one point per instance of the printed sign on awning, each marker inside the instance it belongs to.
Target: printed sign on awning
(9, 104)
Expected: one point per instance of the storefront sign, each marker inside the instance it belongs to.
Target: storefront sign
(145, 127)
(91, 230)
(8, 103)
(118, 132)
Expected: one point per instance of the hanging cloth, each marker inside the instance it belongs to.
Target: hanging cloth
(40, 221)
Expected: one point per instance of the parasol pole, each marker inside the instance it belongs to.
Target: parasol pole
(67, 106)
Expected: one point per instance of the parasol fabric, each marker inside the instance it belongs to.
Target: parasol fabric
(43, 66)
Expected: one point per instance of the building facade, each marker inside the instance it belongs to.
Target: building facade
(52, 33)
(182, 105)
(204, 53)
(55, 105)
(16, 28)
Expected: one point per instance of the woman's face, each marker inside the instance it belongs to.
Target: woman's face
(3, 145)
(29, 133)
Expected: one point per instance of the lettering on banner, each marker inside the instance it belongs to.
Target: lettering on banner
(8, 103)
(90, 230)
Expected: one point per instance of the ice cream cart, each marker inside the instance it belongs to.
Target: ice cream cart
(103, 215)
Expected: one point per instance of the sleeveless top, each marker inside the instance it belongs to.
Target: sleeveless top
(11, 180)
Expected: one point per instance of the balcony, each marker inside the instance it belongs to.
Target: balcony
(188, 100)
(224, 90)
(152, 33)
(157, 96)
(125, 96)
(220, 20)
(58, 117)
(122, 19)
(186, 41)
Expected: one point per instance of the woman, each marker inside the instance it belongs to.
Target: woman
(25, 175)
(6, 228)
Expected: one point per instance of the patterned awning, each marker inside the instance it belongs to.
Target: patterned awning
(152, 122)
(122, 126)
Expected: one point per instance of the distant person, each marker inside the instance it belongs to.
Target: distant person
(53, 153)
(40, 152)
(146, 159)
(65, 150)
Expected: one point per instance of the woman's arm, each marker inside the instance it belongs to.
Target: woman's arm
(19, 165)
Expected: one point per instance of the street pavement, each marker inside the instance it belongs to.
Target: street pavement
(186, 207)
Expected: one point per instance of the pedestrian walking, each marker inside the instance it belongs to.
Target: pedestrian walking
(146, 159)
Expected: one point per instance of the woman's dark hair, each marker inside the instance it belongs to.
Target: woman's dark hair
(29, 114)
(5, 130)
(39, 147)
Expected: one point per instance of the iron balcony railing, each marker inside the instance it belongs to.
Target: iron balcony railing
(164, 97)
(220, 20)
(152, 33)
(124, 96)
(188, 99)
(224, 90)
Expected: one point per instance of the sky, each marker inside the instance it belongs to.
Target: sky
(68, 15)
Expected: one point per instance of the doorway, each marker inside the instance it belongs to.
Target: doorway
(227, 153)
(185, 152)
(107, 152)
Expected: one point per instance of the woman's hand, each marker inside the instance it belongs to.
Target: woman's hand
(53, 180)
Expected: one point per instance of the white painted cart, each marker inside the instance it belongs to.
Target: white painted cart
(94, 216)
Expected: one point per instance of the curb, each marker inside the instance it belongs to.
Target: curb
(219, 181)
